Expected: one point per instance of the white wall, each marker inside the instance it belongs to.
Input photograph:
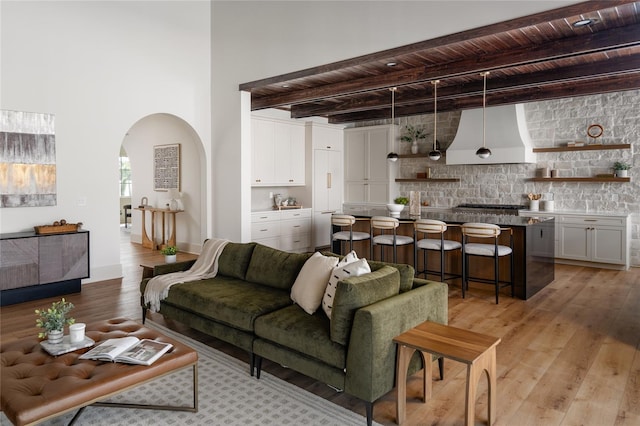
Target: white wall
(252, 40)
(100, 67)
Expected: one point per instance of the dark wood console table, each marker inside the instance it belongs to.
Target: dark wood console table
(36, 266)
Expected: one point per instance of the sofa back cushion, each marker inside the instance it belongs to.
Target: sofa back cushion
(407, 272)
(234, 259)
(275, 268)
(357, 292)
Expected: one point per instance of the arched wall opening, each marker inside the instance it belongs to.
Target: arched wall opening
(139, 142)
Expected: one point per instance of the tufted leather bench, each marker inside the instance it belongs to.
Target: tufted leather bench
(36, 386)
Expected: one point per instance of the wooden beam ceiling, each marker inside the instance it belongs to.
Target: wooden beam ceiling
(538, 57)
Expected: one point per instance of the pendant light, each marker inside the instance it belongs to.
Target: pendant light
(392, 156)
(435, 153)
(484, 152)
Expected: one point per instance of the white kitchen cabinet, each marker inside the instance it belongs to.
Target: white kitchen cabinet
(288, 230)
(591, 239)
(366, 166)
(327, 143)
(278, 153)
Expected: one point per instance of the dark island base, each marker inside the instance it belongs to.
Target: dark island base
(40, 291)
(534, 252)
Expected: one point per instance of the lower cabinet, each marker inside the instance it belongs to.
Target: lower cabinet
(288, 230)
(37, 266)
(601, 240)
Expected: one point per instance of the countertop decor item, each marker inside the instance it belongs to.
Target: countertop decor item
(413, 135)
(621, 168)
(52, 320)
(58, 227)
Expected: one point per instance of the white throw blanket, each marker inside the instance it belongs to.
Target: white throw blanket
(206, 266)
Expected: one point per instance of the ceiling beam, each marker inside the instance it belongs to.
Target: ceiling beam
(580, 9)
(558, 49)
(610, 67)
(601, 84)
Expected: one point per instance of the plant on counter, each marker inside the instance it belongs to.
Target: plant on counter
(169, 250)
(621, 165)
(401, 200)
(54, 318)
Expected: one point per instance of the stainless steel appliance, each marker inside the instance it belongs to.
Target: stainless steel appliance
(504, 209)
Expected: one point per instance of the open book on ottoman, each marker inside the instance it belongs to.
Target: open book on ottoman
(129, 349)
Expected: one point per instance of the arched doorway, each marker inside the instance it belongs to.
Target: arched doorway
(159, 130)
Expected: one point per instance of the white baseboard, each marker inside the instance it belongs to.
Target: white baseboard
(104, 273)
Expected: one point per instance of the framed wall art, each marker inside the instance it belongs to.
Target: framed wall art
(27, 159)
(166, 167)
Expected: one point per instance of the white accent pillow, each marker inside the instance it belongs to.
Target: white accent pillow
(349, 258)
(311, 281)
(353, 269)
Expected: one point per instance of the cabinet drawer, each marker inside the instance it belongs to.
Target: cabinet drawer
(593, 220)
(295, 226)
(259, 217)
(295, 214)
(265, 230)
(295, 242)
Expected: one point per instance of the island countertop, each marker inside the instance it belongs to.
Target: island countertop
(453, 217)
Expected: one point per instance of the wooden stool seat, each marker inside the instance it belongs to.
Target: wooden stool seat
(476, 350)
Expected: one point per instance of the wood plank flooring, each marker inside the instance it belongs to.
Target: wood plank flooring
(569, 355)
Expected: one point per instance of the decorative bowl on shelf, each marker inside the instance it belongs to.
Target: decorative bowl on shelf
(395, 208)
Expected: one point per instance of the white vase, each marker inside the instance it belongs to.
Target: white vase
(170, 258)
(622, 173)
(414, 147)
(55, 336)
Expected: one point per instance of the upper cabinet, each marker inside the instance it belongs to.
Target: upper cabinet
(366, 168)
(278, 153)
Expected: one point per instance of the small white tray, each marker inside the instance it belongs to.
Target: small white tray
(66, 345)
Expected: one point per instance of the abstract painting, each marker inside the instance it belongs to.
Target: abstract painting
(27, 159)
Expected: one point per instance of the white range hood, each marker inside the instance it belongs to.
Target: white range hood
(507, 137)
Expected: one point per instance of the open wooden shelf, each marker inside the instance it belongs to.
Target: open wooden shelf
(591, 147)
(427, 180)
(581, 179)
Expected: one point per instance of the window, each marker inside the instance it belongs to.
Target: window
(125, 177)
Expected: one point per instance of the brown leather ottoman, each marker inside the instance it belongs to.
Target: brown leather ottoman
(36, 386)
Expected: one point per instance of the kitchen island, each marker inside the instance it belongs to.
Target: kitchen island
(533, 247)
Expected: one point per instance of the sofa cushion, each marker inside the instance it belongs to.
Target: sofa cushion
(234, 259)
(407, 272)
(292, 328)
(228, 300)
(354, 293)
(344, 270)
(308, 289)
(275, 268)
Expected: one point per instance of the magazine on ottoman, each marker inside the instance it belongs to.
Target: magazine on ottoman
(129, 350)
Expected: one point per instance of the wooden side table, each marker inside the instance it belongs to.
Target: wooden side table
(476, 350)
(151, 242)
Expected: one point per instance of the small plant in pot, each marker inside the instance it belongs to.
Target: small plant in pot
(53, 320)
(413, 134)
(398, 205)
(621, 168)
(169, 253)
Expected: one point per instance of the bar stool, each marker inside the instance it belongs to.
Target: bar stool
(385, 223)
(425, 227)
(486, 230)
(346, 221)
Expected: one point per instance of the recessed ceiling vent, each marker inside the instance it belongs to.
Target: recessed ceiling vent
(507, 137)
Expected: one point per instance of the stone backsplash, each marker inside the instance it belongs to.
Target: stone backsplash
(550, 123)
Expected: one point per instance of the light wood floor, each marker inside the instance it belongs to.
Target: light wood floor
(568, 356)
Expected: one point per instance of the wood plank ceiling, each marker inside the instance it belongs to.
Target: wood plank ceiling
(532, 58)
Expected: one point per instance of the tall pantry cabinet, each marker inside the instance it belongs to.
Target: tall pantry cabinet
(325, 143)
(366, 169)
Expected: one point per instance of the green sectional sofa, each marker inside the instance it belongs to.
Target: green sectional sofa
(248, 304)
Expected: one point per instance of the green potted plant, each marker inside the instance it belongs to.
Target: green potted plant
(621, 168)
(413, 134)
(398, 205)
(169, 253)
(52, 320)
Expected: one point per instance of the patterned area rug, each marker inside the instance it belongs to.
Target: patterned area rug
(228, 395)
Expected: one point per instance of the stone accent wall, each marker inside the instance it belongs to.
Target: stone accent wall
(550, 123)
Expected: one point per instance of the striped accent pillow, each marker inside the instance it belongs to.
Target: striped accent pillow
(353, 269)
